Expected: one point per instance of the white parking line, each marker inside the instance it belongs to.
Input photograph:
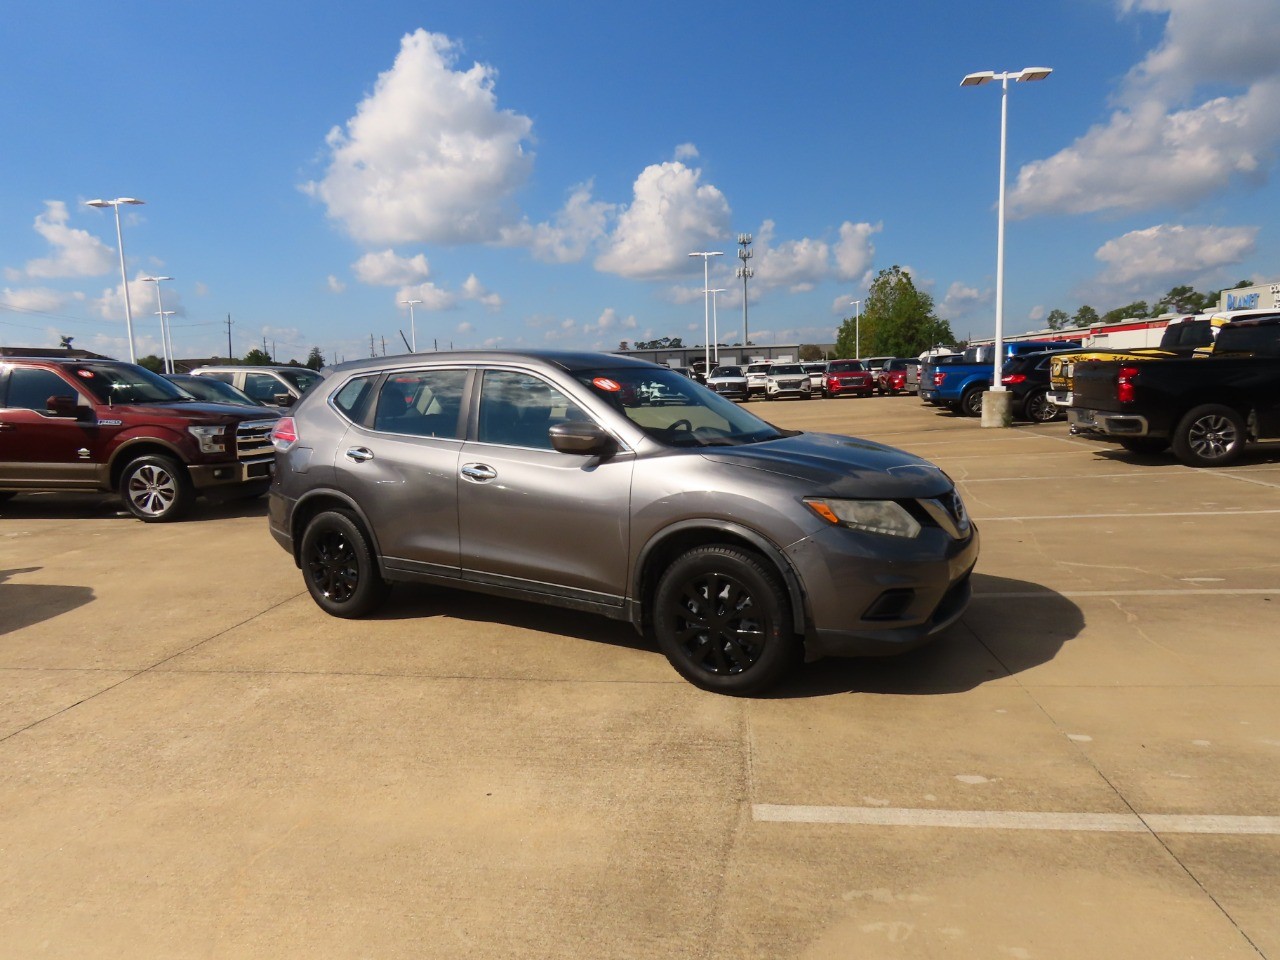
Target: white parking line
(1216, 514)
(1190, 592)
(1018, 820)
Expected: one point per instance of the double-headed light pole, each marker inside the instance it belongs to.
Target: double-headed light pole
(706, 256)
(124, 276)
(1000, 406)
(164, 315)
(413, 334)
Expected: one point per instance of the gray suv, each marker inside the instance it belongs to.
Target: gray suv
(738, 546)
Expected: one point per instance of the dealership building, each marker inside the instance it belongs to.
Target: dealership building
(1265, 296)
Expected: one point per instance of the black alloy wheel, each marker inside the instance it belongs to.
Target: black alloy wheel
(338, 566)
(971, 402)
(1211, 435)
(1040, 409)
(723, 619)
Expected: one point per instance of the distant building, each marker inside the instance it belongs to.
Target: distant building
(1265, 296)
(71, 354)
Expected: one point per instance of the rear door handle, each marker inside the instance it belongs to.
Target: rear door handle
(359, 454)
(479, 472)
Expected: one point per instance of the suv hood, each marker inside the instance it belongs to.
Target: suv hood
(840, 466)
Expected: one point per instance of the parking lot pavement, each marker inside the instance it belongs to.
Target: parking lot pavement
(196, 762)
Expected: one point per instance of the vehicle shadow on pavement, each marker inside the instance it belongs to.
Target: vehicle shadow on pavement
(24, 604)
(1010, 626)
(105, 506)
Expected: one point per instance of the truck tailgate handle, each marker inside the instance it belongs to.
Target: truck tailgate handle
(359, 454)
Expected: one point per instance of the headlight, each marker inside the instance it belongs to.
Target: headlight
(209, 438)
(870, 516)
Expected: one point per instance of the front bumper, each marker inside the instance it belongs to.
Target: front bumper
(871, 596)
(210, 476)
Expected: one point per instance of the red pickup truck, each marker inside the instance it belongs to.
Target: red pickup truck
(104, 425)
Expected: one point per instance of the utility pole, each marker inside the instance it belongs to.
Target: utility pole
(230, 355)
(372, 351)
(384, 346)
(746, 273)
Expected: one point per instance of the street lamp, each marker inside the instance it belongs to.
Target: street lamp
(715, 325)
(857, 328)
(746, 273)
(164, 323)
(706, 256)
(999, 415)
(124, 276)
(413, 335)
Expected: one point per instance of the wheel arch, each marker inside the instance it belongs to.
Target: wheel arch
(317, 502)
(126, 454)
(670, 542)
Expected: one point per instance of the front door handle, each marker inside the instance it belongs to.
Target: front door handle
(479, 472)
(359, 454)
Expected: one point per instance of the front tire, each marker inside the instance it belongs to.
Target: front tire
(338, 566)
(722, 618)
(1210, 436)
(156, 489)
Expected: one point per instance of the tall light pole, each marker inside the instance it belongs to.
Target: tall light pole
(715, 326)
(1000, 404)
(413, 334)
(857, 328)
(164, 323)
(124, 276)
(746, 273)
(706, 256)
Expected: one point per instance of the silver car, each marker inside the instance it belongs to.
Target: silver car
(738, 546)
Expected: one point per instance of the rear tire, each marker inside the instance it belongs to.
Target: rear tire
(1210, 436)
(1040, 409)
(722, 617)
(338, 566)
(971, 402)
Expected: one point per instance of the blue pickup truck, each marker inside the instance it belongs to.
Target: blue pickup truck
(959, 384)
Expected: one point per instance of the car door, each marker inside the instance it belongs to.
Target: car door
(399, 462)
(39, 448)
(531, 518)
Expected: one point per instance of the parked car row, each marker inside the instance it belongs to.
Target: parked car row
(776, 380)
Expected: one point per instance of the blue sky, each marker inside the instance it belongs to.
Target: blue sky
(536, 174)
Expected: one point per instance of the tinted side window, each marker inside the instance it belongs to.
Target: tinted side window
(263, 386)
(224, 377)
(421, 403)
(353, 397)
(30, 388)
(517, 409)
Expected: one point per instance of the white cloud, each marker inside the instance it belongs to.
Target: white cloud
(142, 302)
(76, 253)
(670, 215)
(686, 151)
(855, 252)
(431, 297)
(428, 157)
(961, 300)
(579, 224)
(32, 299)
(386, 269)
(800, 265)
(473, 289)
(336, 285)
(1143, 261)
(1037, 313)
(1161, 146)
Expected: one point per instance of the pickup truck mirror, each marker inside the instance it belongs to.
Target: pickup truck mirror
(65, 406)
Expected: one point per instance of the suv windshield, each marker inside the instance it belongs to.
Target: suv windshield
(676, 411)
(785, 369)
(126, 383)
(846, 366)
(727, 372)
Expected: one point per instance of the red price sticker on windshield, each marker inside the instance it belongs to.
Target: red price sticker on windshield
(86, 374)
(604, 383)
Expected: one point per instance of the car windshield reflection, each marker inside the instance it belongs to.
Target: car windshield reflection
(676, 411)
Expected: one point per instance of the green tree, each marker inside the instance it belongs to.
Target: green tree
(1185, 299)
(1057, 320)
(810, 351)
(315, 359)
(152, 363)
(1085, 316)
(898, 320)
(258, 357)
(1136, 310)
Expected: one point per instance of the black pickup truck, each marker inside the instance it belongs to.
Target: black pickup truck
(1206, 408)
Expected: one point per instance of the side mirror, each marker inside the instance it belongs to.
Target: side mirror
(64, 406)
(583, 438)
(282, 399)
